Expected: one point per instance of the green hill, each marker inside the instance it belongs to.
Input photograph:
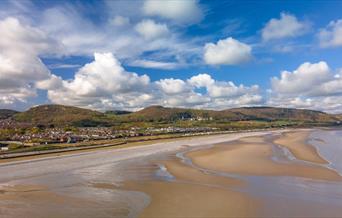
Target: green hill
(272, 113)
(6, 113)
(159, 113)
(60, 115)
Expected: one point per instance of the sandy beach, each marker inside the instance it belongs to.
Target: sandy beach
(254, 158)
(305, 151)
(255, 174)
(201, 195)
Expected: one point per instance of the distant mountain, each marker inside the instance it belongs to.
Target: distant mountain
(159, 113)
(6, 113)
(272, 113)
(60, 115)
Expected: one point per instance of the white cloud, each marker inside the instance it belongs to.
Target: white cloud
(104, 77)
(77, 34)
(181, 11)
(63, 30)
(20, 66)
(286, 26)
(201, 80)
(52, 83)
(172, 86)
(188, 99)
(227, 51)
(331, 36)
(105, 84)
(330, 104)
(312, 86)
(221, 89)
(229, 89)
(136, 38)
(149, 29)
(80, 35)
(304, 79)
(102, 83)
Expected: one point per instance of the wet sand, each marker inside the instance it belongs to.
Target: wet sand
(255, 158)
(40, 202)
(305, 151)
(196, 192)
(266, 174)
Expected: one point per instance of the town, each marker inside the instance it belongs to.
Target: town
(69, 135)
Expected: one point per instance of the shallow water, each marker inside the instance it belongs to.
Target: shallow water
(294, 196)
(94, 179)
(329, 146)
(302, 197)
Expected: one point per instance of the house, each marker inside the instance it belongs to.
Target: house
(4, 147)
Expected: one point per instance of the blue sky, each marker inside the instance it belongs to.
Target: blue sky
(108, 55)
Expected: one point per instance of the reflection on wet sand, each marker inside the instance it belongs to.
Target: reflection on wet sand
(217, 183)
(273, 175)
(255, 158)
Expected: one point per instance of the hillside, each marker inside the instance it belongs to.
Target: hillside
(271, 114)
(60, 115)
(6, 113)
(159, 113)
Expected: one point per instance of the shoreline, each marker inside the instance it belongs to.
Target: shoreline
(244, 157)
(231, 175)
(22, 156)
(206, 174)
(54, 176)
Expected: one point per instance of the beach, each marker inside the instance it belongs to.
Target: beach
(279, 173)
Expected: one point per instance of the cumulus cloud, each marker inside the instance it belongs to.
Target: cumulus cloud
(221, 89)
(304, 79)
(180, 11)
(311, 85)
(105, 84)
(227, 51)
(330, 104)
(52, 83)
(201, 80)
(151, 30)
(172, 86)
(331, 36)
(286, 26)
(20, 66)
(98, 80)
(87, 91)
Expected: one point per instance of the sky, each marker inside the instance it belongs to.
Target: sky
(127, 55)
